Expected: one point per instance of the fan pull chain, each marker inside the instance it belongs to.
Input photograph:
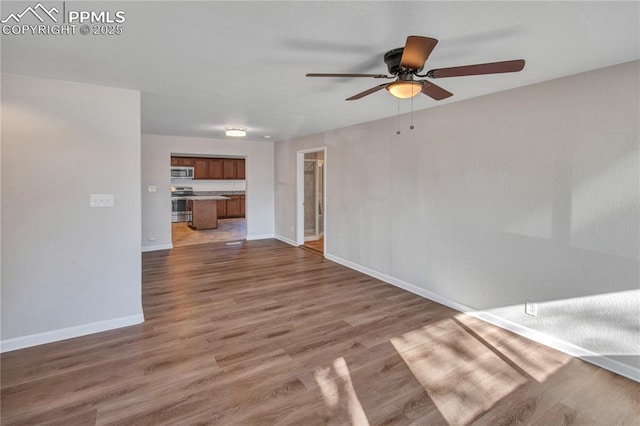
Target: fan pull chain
(398, 132)
(411, 127)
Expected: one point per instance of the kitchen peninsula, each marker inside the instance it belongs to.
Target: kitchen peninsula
(203, 211)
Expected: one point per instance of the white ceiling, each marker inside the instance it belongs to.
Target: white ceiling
(204, 66)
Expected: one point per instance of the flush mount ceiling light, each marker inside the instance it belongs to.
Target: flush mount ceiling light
(236, 132)
(404, 89)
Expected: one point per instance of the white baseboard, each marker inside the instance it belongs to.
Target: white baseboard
(157, 247)
(68, 333)
(602, 361)
(287, 240)
(560, 345)
(259, 237)
(399, 283)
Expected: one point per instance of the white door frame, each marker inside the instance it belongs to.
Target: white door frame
(300, 195)
(315, 200)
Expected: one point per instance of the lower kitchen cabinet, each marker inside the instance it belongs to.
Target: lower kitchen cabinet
(222, 208)
(233, 207)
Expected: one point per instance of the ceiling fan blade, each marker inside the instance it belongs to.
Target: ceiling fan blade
(416, 51)
(434, 91)
(348, 75)
(478, 69)
(367, 92)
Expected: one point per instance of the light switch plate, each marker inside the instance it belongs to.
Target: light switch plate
(152, 188)
(101, 200)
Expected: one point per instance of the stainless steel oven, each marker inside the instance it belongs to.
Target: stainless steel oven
(179, 211)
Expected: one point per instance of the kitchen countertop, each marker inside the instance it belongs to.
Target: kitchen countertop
(218, 193)
(201, 197)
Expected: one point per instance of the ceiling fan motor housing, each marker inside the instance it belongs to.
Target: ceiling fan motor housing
(392, 58)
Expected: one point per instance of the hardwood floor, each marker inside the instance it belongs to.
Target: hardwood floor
(316, 246)
(264, 333)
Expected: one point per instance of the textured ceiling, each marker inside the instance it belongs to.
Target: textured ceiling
(204, 66)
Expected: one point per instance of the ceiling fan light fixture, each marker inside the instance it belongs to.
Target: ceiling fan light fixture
(405, 63)
(404, 89)
(236, 132)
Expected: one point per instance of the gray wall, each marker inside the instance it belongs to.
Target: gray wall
(156, 163)
(68, 269)
(528, 194)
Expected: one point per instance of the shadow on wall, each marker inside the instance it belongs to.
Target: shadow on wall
(559, 222)
(582, 192)
(573, 250)
(591, 209)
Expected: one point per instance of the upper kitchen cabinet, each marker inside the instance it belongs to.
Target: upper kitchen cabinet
(182, 161)
(240, 173)
(234, 168)
(229, 169)
(201, 168)
(213, 168)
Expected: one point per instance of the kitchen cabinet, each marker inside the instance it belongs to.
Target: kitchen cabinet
(182, 161)
(222, 208)
(231, 208)
(201, 168)
(229, 168)
(213, 168)
(208, 168)
(240, 171)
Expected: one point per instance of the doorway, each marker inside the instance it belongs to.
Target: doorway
(208, 206)
(311, 199)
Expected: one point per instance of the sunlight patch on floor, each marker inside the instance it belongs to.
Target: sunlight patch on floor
(530, 358)
(338, 392)
(462, 376)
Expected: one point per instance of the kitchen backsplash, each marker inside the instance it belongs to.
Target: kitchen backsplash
(211, 185)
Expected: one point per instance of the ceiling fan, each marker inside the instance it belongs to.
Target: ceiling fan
(406, 62)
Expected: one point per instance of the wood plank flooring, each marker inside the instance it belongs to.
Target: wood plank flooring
(263, 333)
(316, 246)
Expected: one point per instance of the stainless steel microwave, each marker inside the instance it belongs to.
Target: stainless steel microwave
(182, 172)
